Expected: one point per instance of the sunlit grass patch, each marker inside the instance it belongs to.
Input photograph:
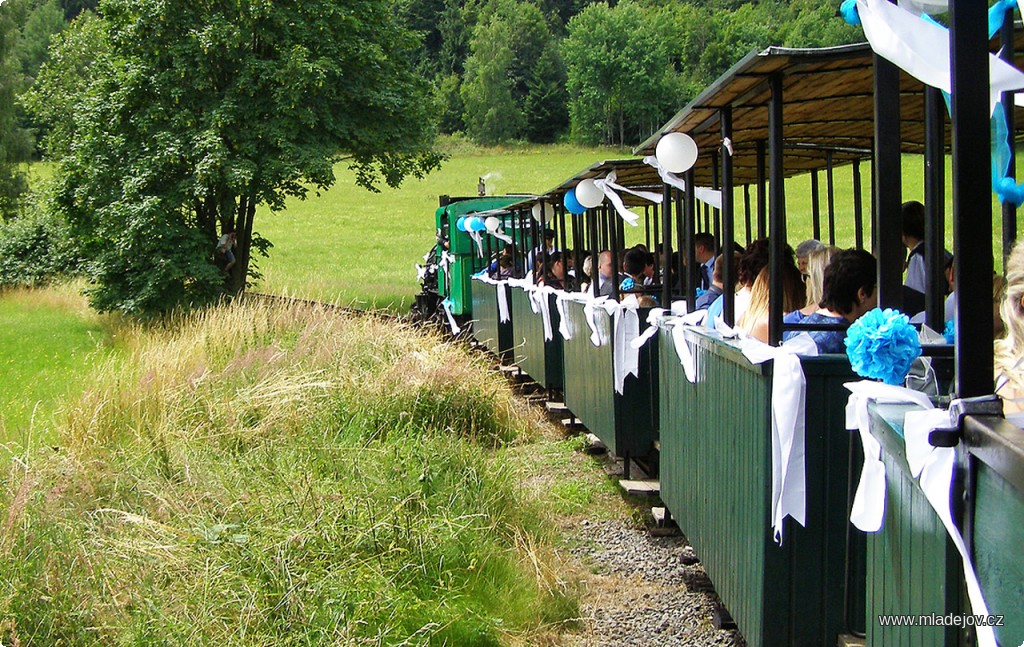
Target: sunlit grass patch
(257, 474)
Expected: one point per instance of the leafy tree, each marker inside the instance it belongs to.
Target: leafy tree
(620, 76)
(15, 142)
(491, 114)
(190, 114)
(514, 82)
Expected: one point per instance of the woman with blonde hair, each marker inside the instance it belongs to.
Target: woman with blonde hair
(755, 320)
(1009, 351)
(817, 261)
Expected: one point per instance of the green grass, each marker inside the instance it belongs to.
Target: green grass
(255, 475)
(48, 340)
(351, 246)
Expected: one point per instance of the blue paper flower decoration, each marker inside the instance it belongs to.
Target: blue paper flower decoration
(950, 332)
(882, 345)
(701, 292)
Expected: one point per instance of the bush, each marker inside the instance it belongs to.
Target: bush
(36, 249)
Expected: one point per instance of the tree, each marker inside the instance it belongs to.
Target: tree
(15, 142)
(620, 76)
(193, 113)
(492, 116)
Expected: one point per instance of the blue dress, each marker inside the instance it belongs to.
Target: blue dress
(827, 341)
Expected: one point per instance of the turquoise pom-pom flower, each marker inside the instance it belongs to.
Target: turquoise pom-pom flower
(882, 345)
(950, 332)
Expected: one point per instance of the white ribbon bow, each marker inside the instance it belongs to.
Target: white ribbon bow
(609, 188)
(712, 197)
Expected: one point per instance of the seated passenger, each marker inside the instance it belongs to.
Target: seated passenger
(803, 254)
(1009, 352)
(748, 267)
(633, 265)
(755, 320)
(814, 272)
(850, 289)
(554, 276)
(606, 274)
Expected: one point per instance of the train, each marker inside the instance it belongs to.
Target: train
(775, 479)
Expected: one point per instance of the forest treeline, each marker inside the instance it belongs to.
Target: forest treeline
(169, 121)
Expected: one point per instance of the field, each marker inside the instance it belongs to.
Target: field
(48, 341)
(350, 246)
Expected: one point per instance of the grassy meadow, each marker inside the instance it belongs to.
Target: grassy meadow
(48, 340)
(259, 475)
(351, 246)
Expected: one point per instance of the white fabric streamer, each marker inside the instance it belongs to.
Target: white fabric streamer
(563, 320)
(653, 318)
(921, 48)
(789, 393)
(451, 318)
(712, 197)
(502, 236)
(446, 260)
(625, 358)
(935, 465)
(685, 354)
(610, 188)
(503, 315)
(478, 239)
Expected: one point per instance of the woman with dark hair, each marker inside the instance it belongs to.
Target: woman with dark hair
(849, 289)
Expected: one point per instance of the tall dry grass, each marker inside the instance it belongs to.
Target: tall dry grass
(259, 474)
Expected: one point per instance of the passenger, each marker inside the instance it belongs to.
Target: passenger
(606, 274)
(587, 274)
(803, 253)
(1009, 352)
(634, 265)
(705, 300)
(755, 320)
(648, 268)
(501, 267)
(747, 268)
(850, 290)
(555, 275)
(704, 252)
(913, 239)
(817, 261)
(646, 301)
(536, 255)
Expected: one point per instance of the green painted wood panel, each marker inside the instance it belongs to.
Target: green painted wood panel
(716, 480)
(487, 329)
(913, 567)
(626, 423)
(541, 359)
(589, 384)
(998, 543)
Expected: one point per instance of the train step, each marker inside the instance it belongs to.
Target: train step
(647, 486)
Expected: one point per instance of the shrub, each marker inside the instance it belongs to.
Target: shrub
(36, 249)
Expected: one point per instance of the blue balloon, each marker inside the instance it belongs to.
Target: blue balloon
(571, 203)
(460, 224)
(475, 223)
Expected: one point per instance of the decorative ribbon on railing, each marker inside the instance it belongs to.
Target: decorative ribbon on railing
(712, 197)
(789, 394)
(478, 239)
(1002, 182)
(502, 236)
(610, 188)
(447, 303)
(446, 260)
(932, 467)
(625, 358)
(921, 48)
(563, 321)
(590, 313)
(499, 286)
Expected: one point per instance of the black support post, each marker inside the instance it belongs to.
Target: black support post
(934, 206)
(815, 206)
(762, 197)
(728, 303)
(666, 246)
(689, 210)
(746, 211)
(972, 215)
(777, 211)
(858, 207)
(888, 185)
(830, 194)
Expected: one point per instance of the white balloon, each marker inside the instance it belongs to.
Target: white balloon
(492, 224)
(588, 194)
(549, 211)
(676, 152)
